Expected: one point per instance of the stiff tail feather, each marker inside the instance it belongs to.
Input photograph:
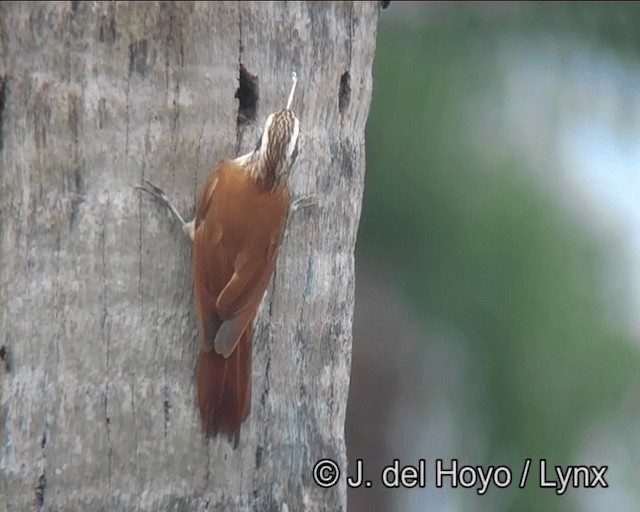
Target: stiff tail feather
(223, 388)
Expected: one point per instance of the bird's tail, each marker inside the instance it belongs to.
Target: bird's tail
(223, 388)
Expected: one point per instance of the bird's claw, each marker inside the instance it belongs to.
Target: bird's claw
(159, 194)
(153, 190)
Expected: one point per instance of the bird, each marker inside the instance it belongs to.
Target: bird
(236, 234)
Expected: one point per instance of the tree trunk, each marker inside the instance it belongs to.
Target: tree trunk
(98, 328)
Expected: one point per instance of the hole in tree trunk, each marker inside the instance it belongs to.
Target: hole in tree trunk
(247, 95)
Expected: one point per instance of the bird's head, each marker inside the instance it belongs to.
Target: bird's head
(277, 148)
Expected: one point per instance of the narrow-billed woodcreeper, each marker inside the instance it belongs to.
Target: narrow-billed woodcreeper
(238, 226)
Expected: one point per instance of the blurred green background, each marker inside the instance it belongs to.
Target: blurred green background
(498, 260)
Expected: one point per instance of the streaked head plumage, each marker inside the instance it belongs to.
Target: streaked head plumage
(277, 148)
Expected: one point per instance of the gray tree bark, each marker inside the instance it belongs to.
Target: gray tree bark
(97, 322)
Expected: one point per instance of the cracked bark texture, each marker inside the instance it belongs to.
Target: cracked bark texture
(98, 407)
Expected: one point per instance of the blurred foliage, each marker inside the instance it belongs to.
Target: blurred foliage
(610, 24)
(476, 243)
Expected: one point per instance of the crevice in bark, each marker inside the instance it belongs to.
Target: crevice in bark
(5, 357)
(272, 294)
(41, 484)
(208, 475)
(198, 153)
(258, 461)
(309, 282)
(166, 405)
(171, 43)
(57, 299)
(351, 31)
(344, 92)
(107, 32)
(40, 488)
(42, 478)
(3, 104)
(103, 236)
(73, 185)
(106, 330)
(138, 53)
(133, 415)
(107, 422)
(127, 112)
(77, 197)
(265, 392)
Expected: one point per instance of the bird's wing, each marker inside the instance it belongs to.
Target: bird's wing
(238, 302)
(206, 239)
